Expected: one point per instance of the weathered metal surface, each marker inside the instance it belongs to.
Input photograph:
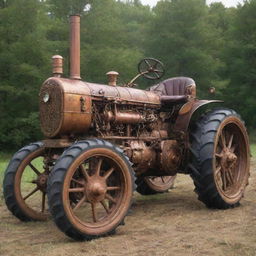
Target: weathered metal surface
(57, 143)
(112, 78)
(160, 184)
(186, 112)
(66, 105)
(35, 188)
(75, 47)
(98, 185)
(57, 65)
(231, 159)
(64, 112)
(151, 127)
(170, 156)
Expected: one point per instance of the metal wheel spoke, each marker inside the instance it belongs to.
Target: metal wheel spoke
(218, 155)
(78, 182)
(110, 198)
(34, 169)
(157, 75)
(79, 203)
(109, 172)
(227, 178)
(31, 193)
(113, 188)
(230, 141)
(223, 139)
(98, 167)
(230, 176)
(103, 203)
(43, 201)
(233, 148)
(224, 181)
(159, 71)
(94, 215)
(84, 172)
(148, 63)
(218, 170)
(74, 190)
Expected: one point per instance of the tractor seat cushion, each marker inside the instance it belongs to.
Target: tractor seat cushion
(173, 86)
(165, 99)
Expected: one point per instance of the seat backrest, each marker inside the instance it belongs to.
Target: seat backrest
(174, 86)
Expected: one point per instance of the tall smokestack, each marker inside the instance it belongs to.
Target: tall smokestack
(75, 47)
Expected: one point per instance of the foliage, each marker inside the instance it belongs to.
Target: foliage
(212, 44)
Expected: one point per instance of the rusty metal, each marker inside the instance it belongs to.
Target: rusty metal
(31, 195)
(57, 143)
(142, 156)
(112, 78)
(231, 159)
(170, 157)
(87, 185)
(160, 184)
(75, 47)
(186, 112)
(124, 117)
(64, 112)
(57, 65)
(150, 126)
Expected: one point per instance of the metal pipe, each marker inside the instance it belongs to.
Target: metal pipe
(57, 65)
(75, 47)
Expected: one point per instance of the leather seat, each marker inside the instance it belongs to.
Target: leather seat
(175, 90)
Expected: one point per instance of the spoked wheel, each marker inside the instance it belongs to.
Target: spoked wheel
(25, 183)
(90, 189)
(152, 185)
(220, 158)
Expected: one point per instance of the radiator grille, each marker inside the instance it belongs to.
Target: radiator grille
(51, 110)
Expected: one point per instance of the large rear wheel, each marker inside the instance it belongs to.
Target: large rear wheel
(220, 158)
(90, 189)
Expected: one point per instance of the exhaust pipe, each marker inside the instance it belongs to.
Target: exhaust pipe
(75, 47)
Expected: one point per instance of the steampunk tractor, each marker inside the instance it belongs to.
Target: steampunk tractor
(103, 140)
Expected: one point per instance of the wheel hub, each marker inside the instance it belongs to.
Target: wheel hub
(95, 189)
(41, 182)
(229, 159)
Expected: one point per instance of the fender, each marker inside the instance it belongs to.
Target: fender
(186, 112)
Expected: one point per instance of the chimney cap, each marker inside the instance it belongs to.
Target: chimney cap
(57, 57)
(112, 73)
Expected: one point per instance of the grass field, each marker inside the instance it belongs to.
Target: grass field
(174, 223)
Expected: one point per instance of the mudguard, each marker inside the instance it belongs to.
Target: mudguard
(186, 112)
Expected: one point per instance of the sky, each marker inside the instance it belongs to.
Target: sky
(227, 3)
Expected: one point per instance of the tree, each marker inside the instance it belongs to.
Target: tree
(22, 62)
(241, 62)
(181, 37)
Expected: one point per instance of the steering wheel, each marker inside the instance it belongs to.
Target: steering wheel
(151, 68)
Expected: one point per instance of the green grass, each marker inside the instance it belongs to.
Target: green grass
(253, 150)
(4, 160)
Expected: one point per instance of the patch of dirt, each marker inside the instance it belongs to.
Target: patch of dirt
(174, 223)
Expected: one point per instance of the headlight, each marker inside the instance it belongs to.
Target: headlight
(46, 97)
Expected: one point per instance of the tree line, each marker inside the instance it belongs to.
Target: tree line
(214, 45)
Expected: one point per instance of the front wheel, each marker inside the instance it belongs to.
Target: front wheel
(220, 158)
(25, 183)
(90, 189)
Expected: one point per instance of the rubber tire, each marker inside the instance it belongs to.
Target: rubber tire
(144, 189)
(55, 182)
(8, 183)
(203, 133)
